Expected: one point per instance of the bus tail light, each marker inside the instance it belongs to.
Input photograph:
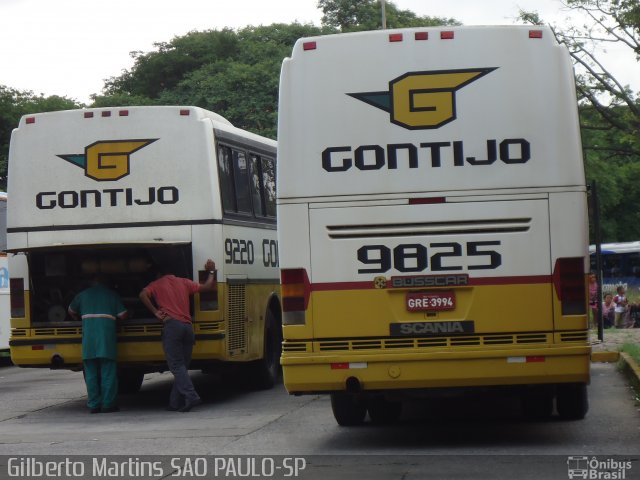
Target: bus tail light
(295, 295)
(570, 285)
(208, 300)
(16, 286)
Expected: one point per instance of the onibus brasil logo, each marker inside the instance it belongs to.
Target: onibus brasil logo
(107, 160)
(422, 100)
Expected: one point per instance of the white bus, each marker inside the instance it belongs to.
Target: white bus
(4, 280)
(126, 192)
(432, 219)
(620, 267)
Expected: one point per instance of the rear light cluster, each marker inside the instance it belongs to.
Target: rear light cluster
(570, 284)
(208, 300)
(16, 286)
(295, 295)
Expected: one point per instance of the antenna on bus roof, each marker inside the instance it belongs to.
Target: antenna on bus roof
(384, 14)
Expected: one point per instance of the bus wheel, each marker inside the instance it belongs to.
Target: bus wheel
(572, 401)
(266, 371)
(347, 409)
(537, 405)
(130, 381)
(383, 411)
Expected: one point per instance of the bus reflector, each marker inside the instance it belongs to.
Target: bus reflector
(295, 295)
(88, 114)
(37, 347)
(348, 365)
(395, 37)
(16, 296)
(427, 201)
(530, 359)
(30, 120)
(448, 35)
(309, 46)
(422, 36)
(535, 33)
(570, 284)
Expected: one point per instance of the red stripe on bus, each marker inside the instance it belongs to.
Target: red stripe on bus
(369, 285)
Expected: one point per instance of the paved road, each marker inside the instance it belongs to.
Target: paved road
(43, 412)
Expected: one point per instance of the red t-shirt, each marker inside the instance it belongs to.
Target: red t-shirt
(171, 295)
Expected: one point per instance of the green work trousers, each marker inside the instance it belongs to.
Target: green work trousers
(101, 378)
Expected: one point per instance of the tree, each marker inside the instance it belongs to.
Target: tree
(13, 105)
(358, 15)
(233, 73)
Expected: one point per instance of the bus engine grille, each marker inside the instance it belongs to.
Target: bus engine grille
(236, 320)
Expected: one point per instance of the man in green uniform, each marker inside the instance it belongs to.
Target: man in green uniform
(99, 307)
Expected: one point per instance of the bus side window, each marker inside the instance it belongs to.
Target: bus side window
(226, 178)
(241, 182)
(256, 188)
(269, 185)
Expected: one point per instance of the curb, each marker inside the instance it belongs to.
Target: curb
(631, 367)
(605, 357)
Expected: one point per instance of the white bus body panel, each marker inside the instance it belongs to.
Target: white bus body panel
(529, 95)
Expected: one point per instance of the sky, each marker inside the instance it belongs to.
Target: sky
(69, 47)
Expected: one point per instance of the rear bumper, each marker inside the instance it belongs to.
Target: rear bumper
(66, 353)
(308, 373)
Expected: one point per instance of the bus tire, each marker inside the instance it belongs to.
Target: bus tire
(572, 401)
(265, 372)
(347, 409)
(130, 381)
(382, 411)
(537, 405)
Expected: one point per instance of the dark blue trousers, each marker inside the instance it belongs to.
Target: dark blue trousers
(177, 341)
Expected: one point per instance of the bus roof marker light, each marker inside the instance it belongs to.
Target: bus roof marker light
(309, 46)
(427, 201)
(422, 36)
(185, 112)
(30, 120)
(88, 114)
(535, 33)
(447, 35)
(395, 37)
(123, 113)
(105, 113)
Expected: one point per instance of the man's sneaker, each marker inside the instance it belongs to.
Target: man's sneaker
(190, 404)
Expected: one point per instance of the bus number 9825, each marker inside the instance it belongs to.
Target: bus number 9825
(414, 257)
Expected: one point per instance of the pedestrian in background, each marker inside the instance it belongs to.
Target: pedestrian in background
(593, 300)
(99, 307)
(168, 299)
(621, 306)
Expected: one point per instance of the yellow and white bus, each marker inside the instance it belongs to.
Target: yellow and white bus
(432, 219)
(126, 192)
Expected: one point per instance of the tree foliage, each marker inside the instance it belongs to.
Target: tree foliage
(13, 105)
(358, 15)
(233, 73)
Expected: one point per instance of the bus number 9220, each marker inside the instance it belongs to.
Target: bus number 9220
(415, 257)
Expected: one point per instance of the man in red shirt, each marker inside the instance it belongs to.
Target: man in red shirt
(168, 299)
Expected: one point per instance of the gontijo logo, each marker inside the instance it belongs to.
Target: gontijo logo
(107, 160)
(422, 100)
